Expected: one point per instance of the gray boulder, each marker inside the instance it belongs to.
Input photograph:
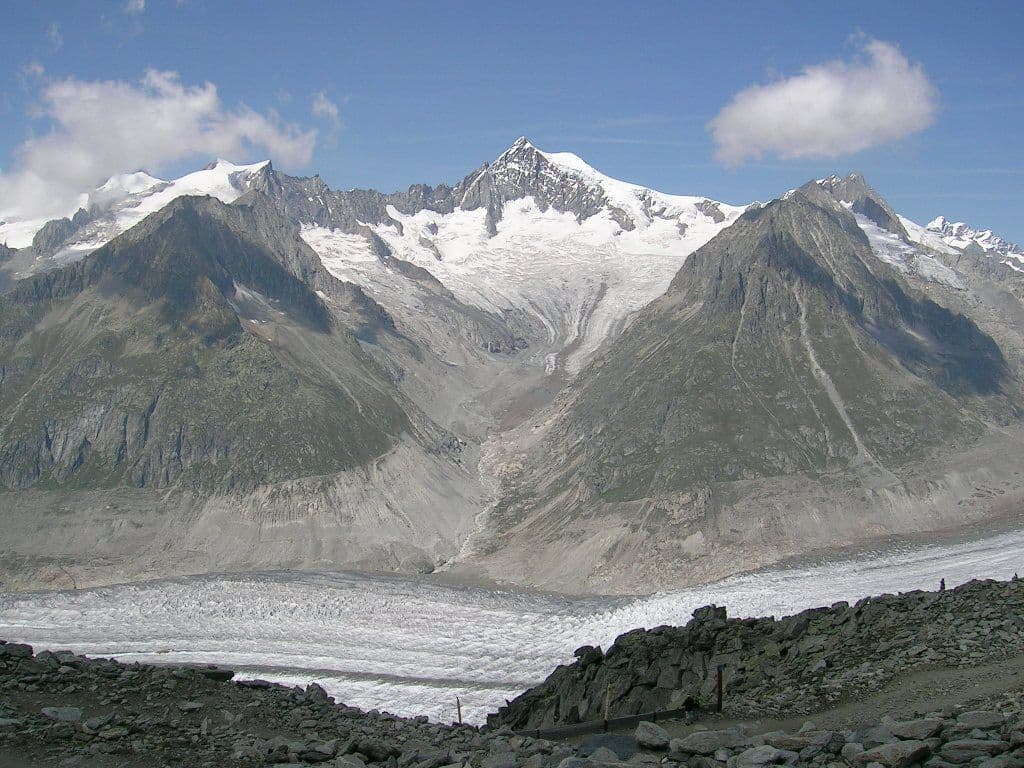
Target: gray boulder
(759, 756)
(16, 650)
(63, 714)
(603, 755)
(651, 736)
(980, 719)
(706, 742)
(505, 759)
(923, 728)
(621, 744)
(898, 754)
(965, 750)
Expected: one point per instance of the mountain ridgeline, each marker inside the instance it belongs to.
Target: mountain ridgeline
(292, 376)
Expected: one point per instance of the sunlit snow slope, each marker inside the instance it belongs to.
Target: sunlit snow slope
(580, 277)
(410, 647)
(125, 200)
(960, 236)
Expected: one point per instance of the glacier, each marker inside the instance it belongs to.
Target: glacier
(410, 646)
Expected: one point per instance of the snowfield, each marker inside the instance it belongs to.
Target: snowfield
(905, 257)
(579, 279)
(410, 646)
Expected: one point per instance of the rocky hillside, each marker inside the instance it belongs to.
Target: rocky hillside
(140, 365)
(778, 667)
(203, 373)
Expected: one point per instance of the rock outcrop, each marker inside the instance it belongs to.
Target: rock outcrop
(778, 667)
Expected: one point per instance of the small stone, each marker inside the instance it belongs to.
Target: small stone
(377, 750)
(850, 750)
(117, 732)
(63, 714)
(95, 723)
(189, 706)
(980, 719)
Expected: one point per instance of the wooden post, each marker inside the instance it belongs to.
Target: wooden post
(458, 708)
(718, 687)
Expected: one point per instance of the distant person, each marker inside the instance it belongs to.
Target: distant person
(942, 585)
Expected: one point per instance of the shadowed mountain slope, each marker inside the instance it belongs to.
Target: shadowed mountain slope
(143, 364)
(784, 349)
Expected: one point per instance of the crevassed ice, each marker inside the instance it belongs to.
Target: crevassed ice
(411, 646)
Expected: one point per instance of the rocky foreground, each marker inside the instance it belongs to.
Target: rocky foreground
(785, 667)
(61, 709)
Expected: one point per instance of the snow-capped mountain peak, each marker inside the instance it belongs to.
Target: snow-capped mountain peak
(534, 234)
(118, 204)
(957, 234)
(566, 182)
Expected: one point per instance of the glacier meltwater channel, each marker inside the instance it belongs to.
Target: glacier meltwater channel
(411, 646)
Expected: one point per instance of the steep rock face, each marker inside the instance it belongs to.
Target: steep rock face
(858, 194)
(784, 349)
(523, 171)
(310, 202)
(53, 234)
(143, 364)
(519, 172)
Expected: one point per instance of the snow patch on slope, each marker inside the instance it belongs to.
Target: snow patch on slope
(906, 257)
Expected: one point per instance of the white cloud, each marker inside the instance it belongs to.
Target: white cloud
(33, 70)
(828, 110)
(100, 128)
(134, 6)
(325, 108)
(55, 36)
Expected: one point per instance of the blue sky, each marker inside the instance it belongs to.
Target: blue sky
(425, 92)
